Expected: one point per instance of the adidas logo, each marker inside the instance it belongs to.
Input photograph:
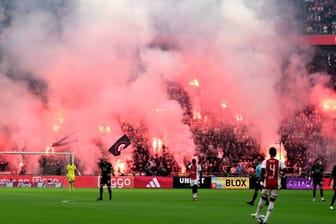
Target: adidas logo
(154, 183)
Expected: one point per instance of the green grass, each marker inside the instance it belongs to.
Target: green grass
(154, 206)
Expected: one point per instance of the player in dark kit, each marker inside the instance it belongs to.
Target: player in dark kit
(317, 175)
(105, 179)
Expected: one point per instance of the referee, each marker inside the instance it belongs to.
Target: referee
(105, 179)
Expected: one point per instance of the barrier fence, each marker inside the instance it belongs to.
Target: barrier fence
(30, 181)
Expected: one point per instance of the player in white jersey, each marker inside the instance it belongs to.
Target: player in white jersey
(270, 179)
(195, 175)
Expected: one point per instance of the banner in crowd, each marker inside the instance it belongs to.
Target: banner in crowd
(230, 182)
(184, 182)
(302, 183)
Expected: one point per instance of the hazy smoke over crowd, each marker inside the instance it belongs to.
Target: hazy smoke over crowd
(75, 66)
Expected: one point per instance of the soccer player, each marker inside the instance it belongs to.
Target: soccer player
(333, 177)
(317, 175)
(71, 173)
(257, 185)
(195, 174)
(270, 179)
(105, 179)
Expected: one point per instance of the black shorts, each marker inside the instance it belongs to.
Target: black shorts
(317, 182)
(105, 180)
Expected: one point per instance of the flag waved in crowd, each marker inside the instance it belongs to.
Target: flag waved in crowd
(119, 145)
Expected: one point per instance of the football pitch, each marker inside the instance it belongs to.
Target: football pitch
(155, 206)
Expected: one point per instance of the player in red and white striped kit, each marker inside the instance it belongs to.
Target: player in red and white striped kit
(195, 174)
(270, 179)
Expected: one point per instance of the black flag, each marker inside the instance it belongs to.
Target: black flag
(119, 145)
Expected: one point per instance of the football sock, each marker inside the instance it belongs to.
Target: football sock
(194, 189)
(333, 199)
(110, 193)
(254, 197)
(269, 211)
(101, 192)
(260, 205)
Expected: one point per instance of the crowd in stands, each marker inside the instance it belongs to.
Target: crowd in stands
(227, 149)
(317, 16)
(145, 163)
(299, 134)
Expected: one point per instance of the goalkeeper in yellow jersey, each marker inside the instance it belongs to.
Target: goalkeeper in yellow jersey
(71, 173)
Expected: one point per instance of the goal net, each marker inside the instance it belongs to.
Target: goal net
(41, 163)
